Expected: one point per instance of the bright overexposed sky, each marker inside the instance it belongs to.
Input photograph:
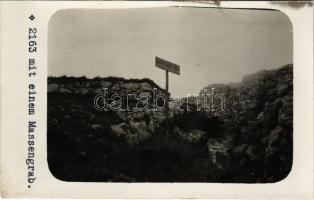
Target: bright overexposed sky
(211, 45)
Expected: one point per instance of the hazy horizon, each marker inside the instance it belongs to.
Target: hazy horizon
(210, 45)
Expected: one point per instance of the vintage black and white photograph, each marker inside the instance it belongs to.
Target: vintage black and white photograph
(170, 95)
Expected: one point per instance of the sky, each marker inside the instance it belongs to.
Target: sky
(210, 45)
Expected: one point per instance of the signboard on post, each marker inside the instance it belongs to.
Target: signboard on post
(168, 67)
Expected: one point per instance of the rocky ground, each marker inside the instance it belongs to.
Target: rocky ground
(250, 141)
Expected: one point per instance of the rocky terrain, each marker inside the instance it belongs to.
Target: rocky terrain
(258, 116)
(249, 141)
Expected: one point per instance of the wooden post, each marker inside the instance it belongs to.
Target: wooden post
(167, 102)
(168, 67)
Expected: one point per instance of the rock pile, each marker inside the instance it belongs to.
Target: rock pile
(133, 125)
(259, 111)
(250, 140)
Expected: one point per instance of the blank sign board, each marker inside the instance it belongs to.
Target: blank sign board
(166, 65)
